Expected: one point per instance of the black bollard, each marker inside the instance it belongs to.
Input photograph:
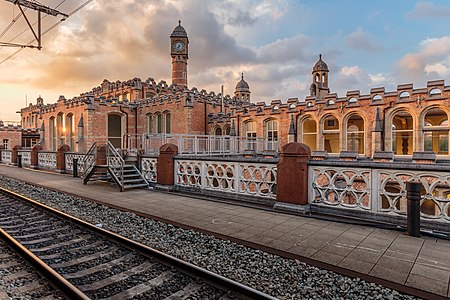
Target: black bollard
(413, 207)
(75, 167)
(19, 160)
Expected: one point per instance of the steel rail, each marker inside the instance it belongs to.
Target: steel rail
(233, 288)
(59, 282)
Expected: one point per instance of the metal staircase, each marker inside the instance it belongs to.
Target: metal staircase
(126, 176)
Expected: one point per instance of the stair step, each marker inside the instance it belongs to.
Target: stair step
(126, 181)
(135, 186)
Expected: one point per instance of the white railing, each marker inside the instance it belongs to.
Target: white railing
(25, 157)
(243, 178)
(206, 144)
(381, 191)
(69, 161)
(149, 168)
(6, 156)
(47, 160)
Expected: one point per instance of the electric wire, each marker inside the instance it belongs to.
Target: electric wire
(26, 29)
(46, 31)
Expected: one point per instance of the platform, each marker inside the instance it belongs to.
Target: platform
(421, 263)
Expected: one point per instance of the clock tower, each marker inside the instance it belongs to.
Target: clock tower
(179, 51)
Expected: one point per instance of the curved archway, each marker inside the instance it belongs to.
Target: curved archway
(271, 134)
(308, 131)
(436, 131)
(402, 133)
(250, 133)
(331, 134)
(355, 133)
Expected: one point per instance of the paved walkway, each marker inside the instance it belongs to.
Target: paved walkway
(422, 263)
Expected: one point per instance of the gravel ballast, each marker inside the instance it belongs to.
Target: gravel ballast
(274, 275)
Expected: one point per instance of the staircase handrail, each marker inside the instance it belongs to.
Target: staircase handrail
(112, 152)
(87, 164)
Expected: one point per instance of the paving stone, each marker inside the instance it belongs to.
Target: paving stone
(430, 272)
(365, 255)
(327, 257)
(338, 249)
(430, 285)
(389, 273)
(356, 265)
(303, 250)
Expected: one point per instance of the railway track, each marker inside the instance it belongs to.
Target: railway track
(87, 262)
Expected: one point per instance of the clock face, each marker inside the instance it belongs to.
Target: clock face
(178, 46)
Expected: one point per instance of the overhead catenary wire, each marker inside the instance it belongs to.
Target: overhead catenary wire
(48, 30)
(26, 29)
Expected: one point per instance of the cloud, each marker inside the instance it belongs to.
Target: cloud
(363, 41)
(432, 61)
(428, 10)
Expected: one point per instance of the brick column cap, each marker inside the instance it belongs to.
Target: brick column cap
(295, 149)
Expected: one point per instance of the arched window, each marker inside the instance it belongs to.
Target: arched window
(218, 131)
(52, 133)
(150, 123)
(435, 92)
(226, 130)
(331, 134)
(435, 131)
(309, 133)
(115, 130)
(402, 133)
(377, 98)
(352, 100)
(330, 102)
(6, 144)
(271, 134)
(404, 95)
(70, 129)
(250, 134)
(309, 104)
(355, 134)
(166, 117)
(159, 123)
(60, 129)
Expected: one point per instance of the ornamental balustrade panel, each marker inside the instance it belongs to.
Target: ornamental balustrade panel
(26, 157)
(435, 199)
(69, 161)
(345, 187)
(149, 168)
(47, 160)
(380, 191)
(6, 156)
(250, 179)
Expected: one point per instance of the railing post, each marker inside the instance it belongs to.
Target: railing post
(19, 160)
(14, 154)
(413, 207)
(292, 174)
(35, 156)
(166, 164)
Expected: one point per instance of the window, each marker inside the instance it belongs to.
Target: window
(150, 122)
(52, 133)
(435, 132)
(159, 123)
(167, 122)
(250, 134)
(309, 104)
(435, 92)
(60, 129)
(331, 135)
(70, 127)
(352, 100)
(271, 134)
(6, 144)
(404, 95)
(377, 98)
(330, 102)
(402, 134)
(309, 133)
(355, 134)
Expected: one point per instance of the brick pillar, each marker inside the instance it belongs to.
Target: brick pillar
(34, 155)
(61, 158)
(166, 164)
(1, 148)
(292, 174)
(15, 152)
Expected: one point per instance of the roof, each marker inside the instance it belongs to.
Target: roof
(320, 65)
(179, 31)
(242, 86)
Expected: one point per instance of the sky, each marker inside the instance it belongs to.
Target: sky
(275, 43)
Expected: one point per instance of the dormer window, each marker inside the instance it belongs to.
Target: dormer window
(404, 95)
(377, 98)
(275, 108)
(435, 92)
(309, 104)
(352, 100)
(292, 106)
(330, 102)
